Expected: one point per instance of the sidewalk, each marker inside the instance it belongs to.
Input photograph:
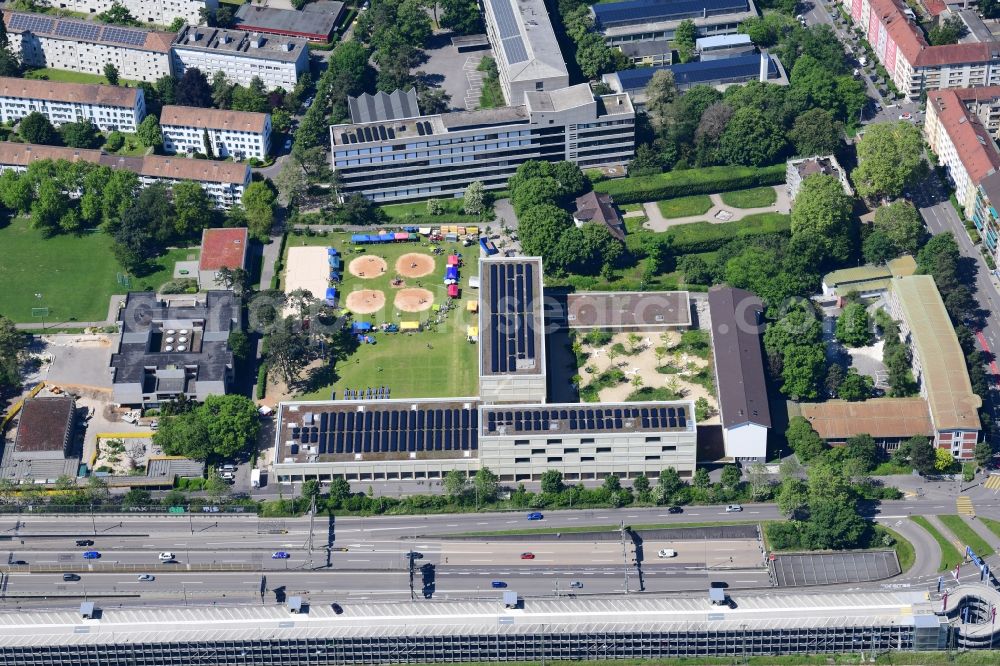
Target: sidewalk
(656, 221)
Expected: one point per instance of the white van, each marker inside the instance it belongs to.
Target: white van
(667, 552)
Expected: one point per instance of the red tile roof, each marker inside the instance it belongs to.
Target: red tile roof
(223, 248)
(935, 7)
(976, 149)
(911, 44)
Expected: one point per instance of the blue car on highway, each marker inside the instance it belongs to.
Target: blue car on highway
(535, 515)
(280, 555)
(498, 583)
(91, 555)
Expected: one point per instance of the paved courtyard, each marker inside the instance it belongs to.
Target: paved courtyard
(454, 72)
(719, 213)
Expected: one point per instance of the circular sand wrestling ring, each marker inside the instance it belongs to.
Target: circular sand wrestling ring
(413, 300)
(365, 301)
(415, 264)
(367, 266)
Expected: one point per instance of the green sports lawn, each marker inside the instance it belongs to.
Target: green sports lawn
(430, 363)
(697, 204)
(74, 274)
(757, 197)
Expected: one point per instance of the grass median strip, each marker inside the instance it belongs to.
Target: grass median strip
(950, 557)
(991, 525)
(967, 535)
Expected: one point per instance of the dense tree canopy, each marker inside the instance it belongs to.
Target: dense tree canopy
(751, 139)
(192, 89)
(816, 132)
(890, 160)
(36, 128)
(223, 426)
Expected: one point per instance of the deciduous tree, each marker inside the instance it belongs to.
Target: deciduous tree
(111, 74)
(36, 128)
(890, 160)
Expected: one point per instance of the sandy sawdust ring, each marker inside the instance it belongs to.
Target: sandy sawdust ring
(415, 264)
(365, 301)
(367, 266)
(413, 300)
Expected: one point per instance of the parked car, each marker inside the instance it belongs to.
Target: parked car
(337, 609)
(734, 508)
(906, 115)
(535, 515)
(146, 578)
(70, 577)
(91, 555)
(280, 555)
(498, 584)
(527, 556)
(84, 542)
(288, 144)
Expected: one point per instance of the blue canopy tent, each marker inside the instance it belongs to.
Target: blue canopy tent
(331, 251)
(360, 326)
(334, 261)
(359, 238)
(331, 296)
(386, 238)
(451, 273)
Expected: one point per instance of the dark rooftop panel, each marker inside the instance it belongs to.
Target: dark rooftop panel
(739, 361)
(634, 12)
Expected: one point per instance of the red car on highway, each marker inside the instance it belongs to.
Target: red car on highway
(527, 556)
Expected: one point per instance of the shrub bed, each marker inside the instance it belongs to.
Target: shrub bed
(688, 182)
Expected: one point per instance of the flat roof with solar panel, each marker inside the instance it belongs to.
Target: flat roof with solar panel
(638, 12)
(566, 419)
(393, 429)
(510, 317)
(525, 42)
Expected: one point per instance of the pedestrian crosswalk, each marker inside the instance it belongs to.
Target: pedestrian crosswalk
(993, 482)
(964, 506)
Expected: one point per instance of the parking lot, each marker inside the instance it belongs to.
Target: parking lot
(455, 72)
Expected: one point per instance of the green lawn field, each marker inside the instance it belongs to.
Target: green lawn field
(74, 274)
(698, 204)
(758, 197)
(436, 362)
(67, 76)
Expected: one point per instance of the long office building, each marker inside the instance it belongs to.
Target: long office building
(223, 181)
(110, 108)
(525, 47)
(583, 629)
(719, 73)
(440, 155)
(82, 46)
(650, 20)
(160, 12)
(241, 55)
(239, 134)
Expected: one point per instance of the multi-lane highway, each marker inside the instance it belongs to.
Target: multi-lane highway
(368, 558)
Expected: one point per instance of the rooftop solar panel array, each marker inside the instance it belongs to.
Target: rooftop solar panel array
(81, 30)
(510, 31)
(637, 12)
(511, 316)
(388, 431)
(587, 419)
(32, 23)
(740, 68)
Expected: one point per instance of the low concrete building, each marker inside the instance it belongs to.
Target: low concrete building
(221, 248)
(645, 20)
(867, 280)
(160, 12)
(527, 54)
(173, 346)
(45, 428)
(629, 310)
(241, 55)
(723, 46)
(739, 371)
(312, 25)
(889, 421)
(938, 363)
(827, 165)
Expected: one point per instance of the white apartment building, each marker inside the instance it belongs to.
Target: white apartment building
(161, 12)
(108, 107)
(82, 46)
(241, 55)
(238, 134)
(525, 48)
(440, 155)
(225, 182)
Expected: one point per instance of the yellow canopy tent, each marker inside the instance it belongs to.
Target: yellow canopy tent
(409, 325)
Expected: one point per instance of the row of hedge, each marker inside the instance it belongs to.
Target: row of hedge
(700, 237)
(690, 181)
